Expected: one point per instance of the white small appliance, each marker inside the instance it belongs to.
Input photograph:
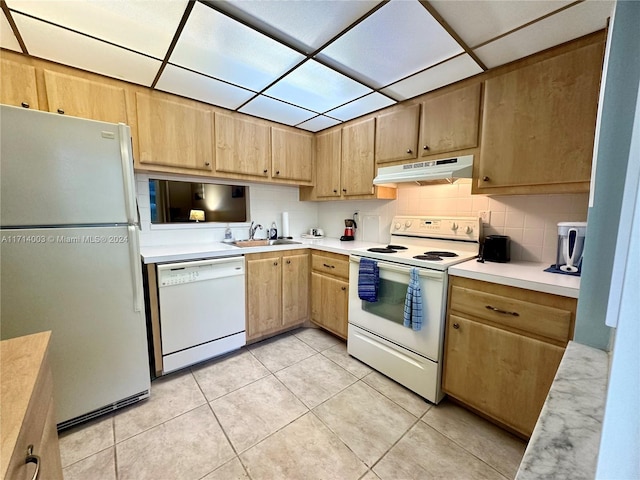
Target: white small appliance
(571, 237)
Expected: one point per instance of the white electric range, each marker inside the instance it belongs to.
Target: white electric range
(376, 333)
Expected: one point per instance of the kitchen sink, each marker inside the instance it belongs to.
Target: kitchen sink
(283, 241)
(264, 242)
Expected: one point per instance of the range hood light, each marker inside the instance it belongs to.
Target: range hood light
(430, 172)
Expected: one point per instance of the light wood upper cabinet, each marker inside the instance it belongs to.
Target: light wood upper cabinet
(18, 84)
(503, 346)
(242, 146)
(174, 134)
(328, 161)
(397, 134)
(450, 121)
(291, 155)
(358, 167)
(295, 288)
(78, 97)
(538, 125)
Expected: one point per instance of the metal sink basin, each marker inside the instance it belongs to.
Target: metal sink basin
(264, 242)
(283, 241)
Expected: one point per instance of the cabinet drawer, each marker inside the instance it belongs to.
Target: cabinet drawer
(331, 265)
(526, 316)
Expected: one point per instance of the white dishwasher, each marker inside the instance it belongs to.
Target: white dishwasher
(202, 310)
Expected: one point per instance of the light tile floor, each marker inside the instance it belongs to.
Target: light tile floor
(293, 407)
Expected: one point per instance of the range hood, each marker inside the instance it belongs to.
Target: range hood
(445, 170)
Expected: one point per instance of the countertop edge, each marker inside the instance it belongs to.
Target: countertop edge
(566, 438)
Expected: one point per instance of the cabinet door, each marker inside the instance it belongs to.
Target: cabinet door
(242, 146)
(295, 289)
(264, 299)
(330, 299)
(450, 121)
(328, 160)
(397, 134)
(79, 97)
(539, 122)
(291, 155)
(174, 134)
(357, 158)
(503, 374)
(18, 84)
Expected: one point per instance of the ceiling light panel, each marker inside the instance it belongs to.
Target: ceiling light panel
(63, 46)
(306, 25)
(199, 87)
(265, 107)
(574, 22)
(7, 39)
(477, 22)
(369, 103)
(316, 87)
(318, 123)
(218, 46)
(399, 39)
(445, 73)
(146, 26)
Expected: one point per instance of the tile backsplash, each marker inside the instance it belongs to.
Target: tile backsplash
(530, 220)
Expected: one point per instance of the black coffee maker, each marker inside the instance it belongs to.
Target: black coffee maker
(349, 230)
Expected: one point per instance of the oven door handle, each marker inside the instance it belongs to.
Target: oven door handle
(423, 272)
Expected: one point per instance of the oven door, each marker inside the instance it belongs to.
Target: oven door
(385, 317)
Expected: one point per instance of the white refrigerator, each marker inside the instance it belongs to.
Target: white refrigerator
(69, 257)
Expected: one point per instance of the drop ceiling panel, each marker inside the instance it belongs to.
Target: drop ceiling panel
(316, 87)
(399, 39)
(319, 123)
(218, 46)
(307, 25)
(574, 22)
(448, 72)
(63, 46)
(276, 110)
(7, 39)
(477, 22)
(199, 87)
(144, 26)
(373, 101)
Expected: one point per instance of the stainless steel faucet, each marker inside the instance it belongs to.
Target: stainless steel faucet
(252, 230)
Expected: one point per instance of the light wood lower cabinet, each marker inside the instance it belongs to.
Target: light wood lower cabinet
(27, 421)
(502, 349)
(330, 291)
(277, 292)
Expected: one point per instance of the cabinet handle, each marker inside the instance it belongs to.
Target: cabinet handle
(275, 264)
(343, 288)
(456, 326)
(206, 164)
(31, 458)
(409, 151)
(335, 191)
(288, 262)
(277, 172)
(425, 147)
(497, 310)
(265, 171)
(344, 190)
(485, 179)
(329, 266)
(24, 105)
(61, 111)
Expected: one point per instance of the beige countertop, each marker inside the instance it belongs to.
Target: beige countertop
(184, 252)
(529, 275)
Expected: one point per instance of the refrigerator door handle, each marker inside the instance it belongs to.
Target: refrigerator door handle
(127, 172)
(136, 268)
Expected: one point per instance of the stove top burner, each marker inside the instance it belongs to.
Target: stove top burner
(441, 254)
(397, 247)
(428, 257)
(382, 250)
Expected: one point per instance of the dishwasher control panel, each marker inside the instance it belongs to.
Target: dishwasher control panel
(171, 274)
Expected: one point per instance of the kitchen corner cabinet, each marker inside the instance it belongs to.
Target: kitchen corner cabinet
(28, 417)
(330, 291)
(277, 292)
(174, 134)
(243, 146)
(538, 125)
(78, 97)
(450, 121)
(503, 346)
(18, 84)
(397, 134)
(291, 155)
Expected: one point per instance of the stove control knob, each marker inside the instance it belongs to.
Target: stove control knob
(454, 226)
(468, 230)
(407, 224)
(397, 226)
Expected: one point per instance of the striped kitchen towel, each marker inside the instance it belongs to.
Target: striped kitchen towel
(368, 280)
(413, 302)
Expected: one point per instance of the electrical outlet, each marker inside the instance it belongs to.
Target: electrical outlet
(485, 215)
